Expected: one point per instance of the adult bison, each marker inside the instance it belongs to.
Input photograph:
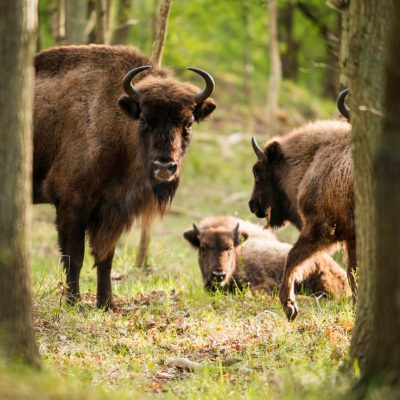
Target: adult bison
(234, 254)
(306, 178)
(104, 157)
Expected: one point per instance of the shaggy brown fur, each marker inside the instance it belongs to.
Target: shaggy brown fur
(231, 257)
(95, 147)
(306, 178)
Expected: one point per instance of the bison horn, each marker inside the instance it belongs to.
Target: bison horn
(341, 105)
(196, 229)
(127, 82)
(257, 149)
(210, 84)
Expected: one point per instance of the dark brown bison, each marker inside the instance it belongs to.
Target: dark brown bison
(110, 135)
(306, 178)
(234, 254)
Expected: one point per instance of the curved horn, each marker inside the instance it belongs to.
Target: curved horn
(210, 84)
(196, 229)
(257, 149)
(129, 89)
(341, 105)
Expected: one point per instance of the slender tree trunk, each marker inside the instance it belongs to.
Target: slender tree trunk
(60, 22)
(290, 62)
(123, 22)
(75, 21)
(375, 100)
(162, 26)
(343, 8)
(103, 21)
(275, 75)
(16, 48)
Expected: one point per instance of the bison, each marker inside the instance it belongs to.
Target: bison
(306, 178)
(235, 254)
(110, 134)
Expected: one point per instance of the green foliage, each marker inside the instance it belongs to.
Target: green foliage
(212, 34)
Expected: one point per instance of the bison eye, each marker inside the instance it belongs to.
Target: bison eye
(188, 125)
(142, 122)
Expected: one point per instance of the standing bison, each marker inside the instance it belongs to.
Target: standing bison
(306, 178)
(234, 254)
(110, 135)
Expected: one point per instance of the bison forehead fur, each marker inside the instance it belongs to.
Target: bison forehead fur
(100, 156)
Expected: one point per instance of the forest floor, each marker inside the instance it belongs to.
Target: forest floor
(238, 346)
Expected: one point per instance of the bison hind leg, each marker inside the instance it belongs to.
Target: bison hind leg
(71, 226)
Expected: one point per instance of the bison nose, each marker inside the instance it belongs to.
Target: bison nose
(218, 276)
(163, 170)
(253, 206)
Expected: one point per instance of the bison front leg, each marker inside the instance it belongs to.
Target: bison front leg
(303, 249)
(71, 237)
(104, 290)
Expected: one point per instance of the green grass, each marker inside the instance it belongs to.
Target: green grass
(242, 345)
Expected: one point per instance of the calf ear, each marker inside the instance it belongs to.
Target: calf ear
(192, 237)
(129, 106)
(274, 152)
(204, 109)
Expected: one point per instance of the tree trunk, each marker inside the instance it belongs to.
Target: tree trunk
(123, 22)
(75, 21)
(343, 8)
(60, 22)
(16, 48)
(375, 100)
(290, 63)
(162, 26)
(103, 21)
(276, 68)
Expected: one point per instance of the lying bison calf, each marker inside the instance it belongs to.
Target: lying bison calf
(306, 178)
(234, 254)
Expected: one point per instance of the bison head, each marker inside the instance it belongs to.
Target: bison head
(164, 111)
(268, 199)
(217, 253)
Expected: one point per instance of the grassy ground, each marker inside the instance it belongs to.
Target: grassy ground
(240, 346)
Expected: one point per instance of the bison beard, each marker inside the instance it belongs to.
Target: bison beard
(164, 192)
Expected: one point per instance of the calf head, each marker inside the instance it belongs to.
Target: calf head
(217, 253)
(164, 110)
(268, 199)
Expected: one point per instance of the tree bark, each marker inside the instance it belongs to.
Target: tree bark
(75, 21)
(16, 49)
(103, 21)
(290, 63)
(275, 75)
(375, 100)
(60, 22)
(162, 27)
(123, 22)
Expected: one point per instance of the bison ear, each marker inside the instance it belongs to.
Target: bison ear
(192, 237)
(274, 152)
(129, 106)
(238, 237)
(204, 109)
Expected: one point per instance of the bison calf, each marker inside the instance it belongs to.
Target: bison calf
(234, 254)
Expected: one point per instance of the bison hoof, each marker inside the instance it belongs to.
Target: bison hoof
(291, 310)
(105, 304)
(73, 299)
